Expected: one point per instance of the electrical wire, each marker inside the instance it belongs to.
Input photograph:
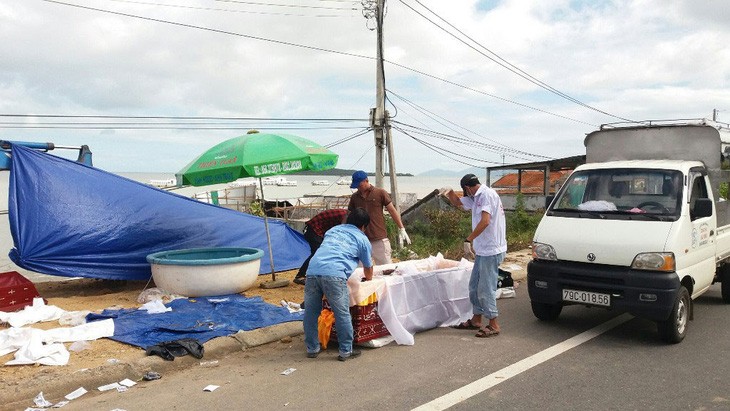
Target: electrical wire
(178, 6)
(324, 119)
(462, 141)
(505, 64)
(192, 26)
(431, 115)
(348, 138)
(286, 43)
(453, 83)
(257, 3)
(440, 150)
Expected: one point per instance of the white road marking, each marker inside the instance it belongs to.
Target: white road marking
(485, 383)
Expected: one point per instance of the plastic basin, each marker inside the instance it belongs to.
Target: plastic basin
(205, 272)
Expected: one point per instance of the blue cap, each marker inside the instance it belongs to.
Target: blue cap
(357, 178)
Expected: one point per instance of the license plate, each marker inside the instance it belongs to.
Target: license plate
(587, 297)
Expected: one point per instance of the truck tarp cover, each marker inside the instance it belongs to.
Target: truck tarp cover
(73, 220)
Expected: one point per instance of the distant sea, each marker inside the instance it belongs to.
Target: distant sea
(421, 186)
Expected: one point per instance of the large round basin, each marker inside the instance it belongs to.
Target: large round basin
(205, 272)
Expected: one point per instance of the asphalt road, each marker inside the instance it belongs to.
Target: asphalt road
(626, 367)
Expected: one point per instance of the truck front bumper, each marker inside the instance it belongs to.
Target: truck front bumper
(547, 279)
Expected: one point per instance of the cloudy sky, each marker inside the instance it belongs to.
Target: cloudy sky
(307, 67)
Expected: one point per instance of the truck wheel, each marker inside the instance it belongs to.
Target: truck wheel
(725, 283)
(674, 328)
(546, 312)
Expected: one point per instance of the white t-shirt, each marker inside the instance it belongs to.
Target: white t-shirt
(493, 240)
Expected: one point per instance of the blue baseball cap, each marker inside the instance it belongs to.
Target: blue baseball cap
(357, 178)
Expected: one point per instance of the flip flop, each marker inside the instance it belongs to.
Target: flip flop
(468, 325)
(487, 332)
(300, 280)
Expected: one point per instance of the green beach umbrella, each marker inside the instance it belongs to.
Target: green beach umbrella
(256, 155)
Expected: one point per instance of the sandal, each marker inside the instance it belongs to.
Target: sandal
(468, 325)
(300, 280)
(487, 332)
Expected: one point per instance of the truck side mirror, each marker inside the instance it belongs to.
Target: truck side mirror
(703, 208)
(548, 201)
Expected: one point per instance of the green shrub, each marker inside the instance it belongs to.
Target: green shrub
(444, 231)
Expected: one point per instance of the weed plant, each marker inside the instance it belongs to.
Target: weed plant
(444, 231)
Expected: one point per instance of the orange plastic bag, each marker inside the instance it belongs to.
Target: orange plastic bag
(324, 325)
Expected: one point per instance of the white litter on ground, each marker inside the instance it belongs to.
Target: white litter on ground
(76, 394)
(155, 307)
(112, 386)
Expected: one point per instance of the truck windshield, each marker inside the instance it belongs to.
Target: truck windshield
(625, 193)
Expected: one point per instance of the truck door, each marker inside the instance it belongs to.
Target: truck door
(702, 252)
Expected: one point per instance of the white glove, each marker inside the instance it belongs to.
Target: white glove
(468, 252)
(403, 236)
(443, 191)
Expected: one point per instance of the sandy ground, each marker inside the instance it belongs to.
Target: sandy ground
(97, 295)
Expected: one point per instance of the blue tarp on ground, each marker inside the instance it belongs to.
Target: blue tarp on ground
(73, 220)
(203, 319)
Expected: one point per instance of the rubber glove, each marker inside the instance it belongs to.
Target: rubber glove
(443, 191)
(468, 252)
(403, 236)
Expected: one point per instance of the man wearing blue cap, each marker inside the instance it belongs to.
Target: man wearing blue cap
(373, 200)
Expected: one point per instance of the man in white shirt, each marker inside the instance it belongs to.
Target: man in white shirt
(489, 240)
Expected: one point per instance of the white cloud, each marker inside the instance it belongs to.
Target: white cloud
(639, 60)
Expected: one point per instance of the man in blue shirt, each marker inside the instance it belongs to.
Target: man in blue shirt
(343, 247)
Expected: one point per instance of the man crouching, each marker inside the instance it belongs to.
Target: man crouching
(343, 247)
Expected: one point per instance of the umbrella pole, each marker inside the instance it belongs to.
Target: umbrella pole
(273, 283)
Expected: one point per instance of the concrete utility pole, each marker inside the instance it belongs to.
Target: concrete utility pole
(380, 120)
(377, 118)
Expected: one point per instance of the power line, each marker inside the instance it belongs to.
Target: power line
(441, 151)
(286, 43)
(463, 141)
(227, 10)
(431, 114)
(505, 64)
(192, 26)
(348, 138)
(256, 3)
(485, 93)
(102, 116)
(154, 127)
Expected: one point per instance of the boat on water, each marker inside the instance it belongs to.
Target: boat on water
(163, 183)
(344, 181)
(244, 183)
(283, 182)
(278, 181)
(320, 183)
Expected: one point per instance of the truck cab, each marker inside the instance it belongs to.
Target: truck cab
(639, 228)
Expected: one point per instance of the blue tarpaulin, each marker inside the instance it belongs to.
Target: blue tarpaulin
(200, 318)
(74, 220)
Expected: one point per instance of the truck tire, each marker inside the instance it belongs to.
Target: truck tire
(725, 283)
(546, 312)
(674, 328)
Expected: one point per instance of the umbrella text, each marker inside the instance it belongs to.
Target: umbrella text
(276, 168)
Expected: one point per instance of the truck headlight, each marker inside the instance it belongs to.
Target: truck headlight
(654, 262)
(542, 251)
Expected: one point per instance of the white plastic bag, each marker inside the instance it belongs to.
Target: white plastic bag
(79, 346)
(73, 318)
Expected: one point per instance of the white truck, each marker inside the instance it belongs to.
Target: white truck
(640, 228)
